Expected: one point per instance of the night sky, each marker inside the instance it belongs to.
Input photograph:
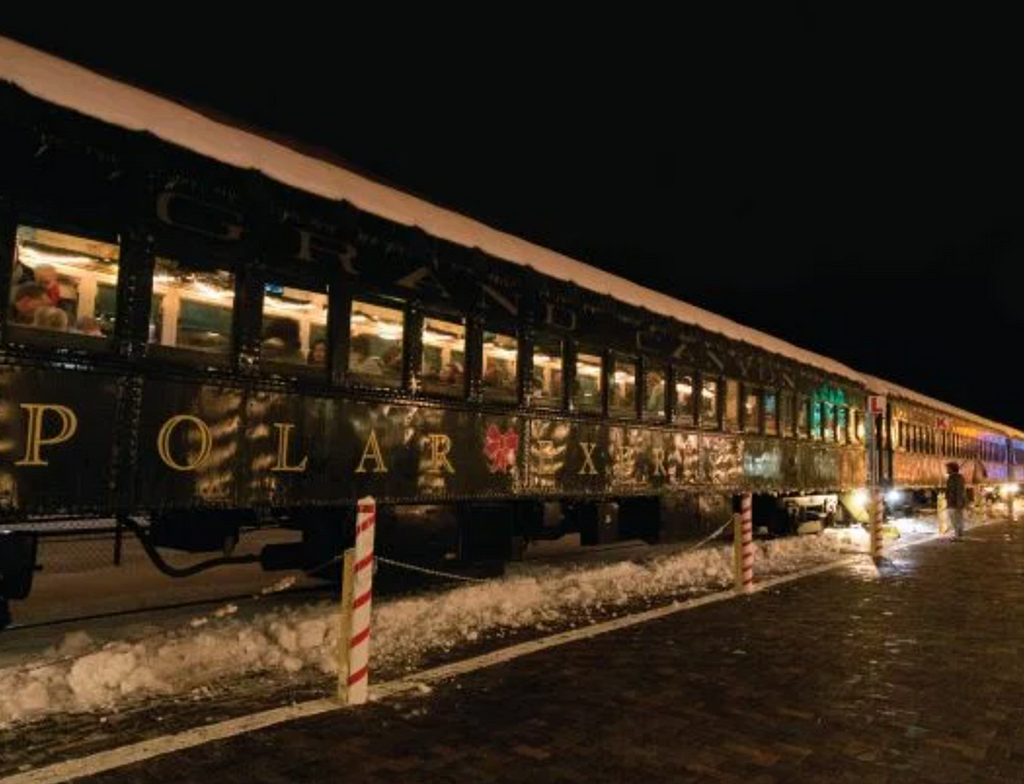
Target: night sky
(852, 187)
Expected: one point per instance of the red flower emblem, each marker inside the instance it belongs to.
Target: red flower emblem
(500, 449)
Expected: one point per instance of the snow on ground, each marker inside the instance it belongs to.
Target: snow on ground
(79, 674)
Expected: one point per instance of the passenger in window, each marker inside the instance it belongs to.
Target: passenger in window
(281, 341)
(392, 359)
(656, 397)
(361, 361)
(318, 353)
(49, 317)
(27, 299)
(496, 376)
(87, 325)
(451, 374)
(46, 276)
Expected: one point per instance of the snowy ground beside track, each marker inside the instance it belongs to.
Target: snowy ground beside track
(298, 643)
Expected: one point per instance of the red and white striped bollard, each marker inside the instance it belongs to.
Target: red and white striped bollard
(743, 542)
(356, 601)
(877, 521)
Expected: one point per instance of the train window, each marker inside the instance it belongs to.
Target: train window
(785, 413)
(501, 362)
(841, 431)
(731, 416)
(828, 421)
(191, 307)
(294, 326)
(63, 283)
(771, 413)
(802, 418)
(901, 435)
(587, 389)
(622, 397)
(654, 392)
(442, 368)
(709, 402)
(751, 410)
(858, 426)
(547, 372)
(683, 413)
(375, 344)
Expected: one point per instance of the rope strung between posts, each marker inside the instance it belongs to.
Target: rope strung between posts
(433, 572)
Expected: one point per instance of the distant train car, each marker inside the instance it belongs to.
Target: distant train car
(208, 331)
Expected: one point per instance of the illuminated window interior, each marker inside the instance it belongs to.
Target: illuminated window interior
(622, 397)
(294, 326)
(709, 403)
(771, 414)
(683, 413)
(500, 365)
(587, 390)
(375, 346)
(443, 368)
(191, 307)
(751, 405)
(654, 391)
(63, 283)
(547, 372)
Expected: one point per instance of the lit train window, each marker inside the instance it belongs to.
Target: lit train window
(294, 326)
(622, 396)
(499, 372)
(785, 414)
(63, 284)
(828, 422)
(858, 426)
(654, 391)
(731, 417)
(771, 413)
(683, 413)
(709, 398)
(375, 344)
(586, 393)
(802, 410)
(443, 367)
(841, 424)
(547, 372)
(751, 411)
(191, 307)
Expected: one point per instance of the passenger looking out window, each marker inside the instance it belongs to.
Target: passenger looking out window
(60, 281)
(375, 345)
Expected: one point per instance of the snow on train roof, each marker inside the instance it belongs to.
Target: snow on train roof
(74, 87)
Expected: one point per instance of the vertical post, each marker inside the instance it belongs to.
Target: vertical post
(357, 592)
(943, 512)
(1011, 502)
(118, 539)
(877, 520)
(743, 545)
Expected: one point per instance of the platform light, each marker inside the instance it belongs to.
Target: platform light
(1008, 489)
(894, 496)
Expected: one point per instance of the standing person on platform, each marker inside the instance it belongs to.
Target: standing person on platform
(956, 497)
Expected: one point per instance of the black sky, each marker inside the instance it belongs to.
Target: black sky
(850, 185)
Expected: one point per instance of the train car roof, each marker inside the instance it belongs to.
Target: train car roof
(74, 87)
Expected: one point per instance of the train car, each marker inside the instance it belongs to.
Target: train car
(208, 331)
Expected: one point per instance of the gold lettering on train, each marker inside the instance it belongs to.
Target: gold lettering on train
(218, 228)
(283, 432)
(314, 246)
(545, 454)
(440, 446)
(659, 461)
(372, 452)
(588, 458)
(163, 442)
(34, 439)
(423, 278)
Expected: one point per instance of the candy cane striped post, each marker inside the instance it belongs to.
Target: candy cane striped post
(877, 520)
(356, 595)
(743, 545)
(942, 508)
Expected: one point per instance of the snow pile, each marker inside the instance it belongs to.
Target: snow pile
(77, 675)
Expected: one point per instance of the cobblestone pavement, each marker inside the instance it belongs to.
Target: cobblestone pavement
(910, 673)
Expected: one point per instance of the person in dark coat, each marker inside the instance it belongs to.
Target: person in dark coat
(956, 498)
